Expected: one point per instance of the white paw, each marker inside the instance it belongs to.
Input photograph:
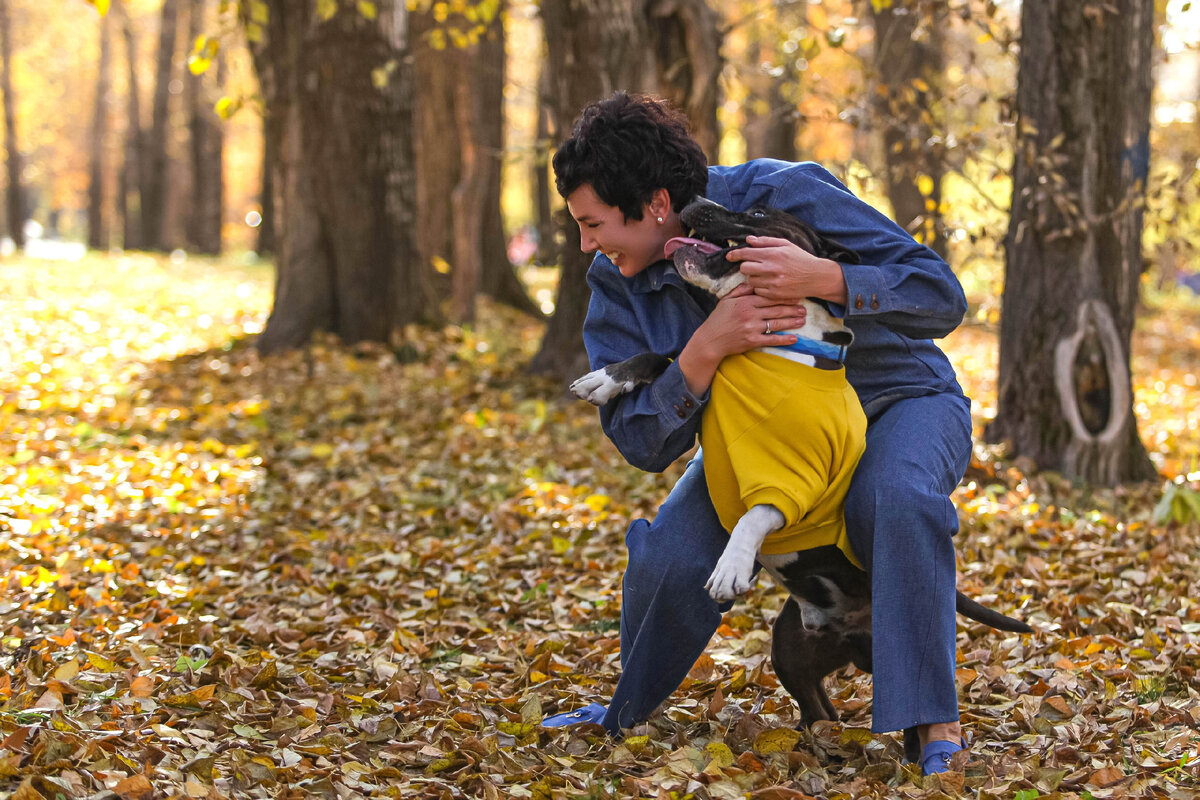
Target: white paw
(598, 387)
(734, 575)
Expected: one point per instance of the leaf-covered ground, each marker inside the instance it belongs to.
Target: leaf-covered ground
(343, 573)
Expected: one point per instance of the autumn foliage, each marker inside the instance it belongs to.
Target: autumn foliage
(365, 572)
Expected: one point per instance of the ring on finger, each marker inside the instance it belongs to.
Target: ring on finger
(768, 330)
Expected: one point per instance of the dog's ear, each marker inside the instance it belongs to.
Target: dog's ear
(827, 248)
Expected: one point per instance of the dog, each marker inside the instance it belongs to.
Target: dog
(826, 622)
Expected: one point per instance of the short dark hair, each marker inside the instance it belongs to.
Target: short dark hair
(627, 147)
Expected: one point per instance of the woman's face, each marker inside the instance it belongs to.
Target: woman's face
(631, 244)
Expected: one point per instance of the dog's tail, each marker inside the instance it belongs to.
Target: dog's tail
(972, 610)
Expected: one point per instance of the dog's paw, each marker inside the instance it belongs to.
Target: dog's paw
(734, 575)
(598, 387)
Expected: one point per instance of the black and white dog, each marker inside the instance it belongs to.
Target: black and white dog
(826, 622)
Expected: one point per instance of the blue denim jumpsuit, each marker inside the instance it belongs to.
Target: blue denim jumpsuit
(898, 513)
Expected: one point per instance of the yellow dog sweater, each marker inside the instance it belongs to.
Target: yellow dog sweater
(787, 434)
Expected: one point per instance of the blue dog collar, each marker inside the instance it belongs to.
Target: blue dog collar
(813, 348)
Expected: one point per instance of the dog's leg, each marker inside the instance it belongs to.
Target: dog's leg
(602, 385)
(802, 658)
(735, 569)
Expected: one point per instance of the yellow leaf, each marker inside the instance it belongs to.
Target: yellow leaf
(560, 545)
(266, 676)
(719, 754)
(367, 9)
(597, 502)
(67, 670)
(322, 450)
(326, 9)
(254, 32)
(925, 185)
(636, 744)
(198, 65)
(856, 736)
(776, 740)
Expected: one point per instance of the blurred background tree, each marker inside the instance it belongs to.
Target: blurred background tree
(392, 158)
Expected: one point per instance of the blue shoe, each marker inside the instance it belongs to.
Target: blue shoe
(593, 713)
(936, 756)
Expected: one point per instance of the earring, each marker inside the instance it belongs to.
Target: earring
(660, 220)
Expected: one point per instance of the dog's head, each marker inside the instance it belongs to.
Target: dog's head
(715, 230)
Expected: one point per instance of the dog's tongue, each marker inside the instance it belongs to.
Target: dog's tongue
(684, 241)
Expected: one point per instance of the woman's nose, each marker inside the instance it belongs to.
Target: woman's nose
(586, 243)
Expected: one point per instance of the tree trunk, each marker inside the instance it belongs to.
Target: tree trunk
(97, 235)
(266, 227)
(338, 100)
(14, 195)
(206, 145)
(154, 175)
(498, 278)
(436, 71)
(1074, 257)
(460, 146)
(129, 191)
(593, 48)
(772, 116)
(686, 38)
(468, 198)
(909, 64)
(542, 181)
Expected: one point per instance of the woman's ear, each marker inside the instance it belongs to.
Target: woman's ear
(660, 204)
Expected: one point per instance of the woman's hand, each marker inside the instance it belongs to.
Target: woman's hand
(780, 271)
(739, 322)
(736, 325)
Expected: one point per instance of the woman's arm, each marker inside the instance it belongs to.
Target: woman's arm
(900, 283)
(655, 424)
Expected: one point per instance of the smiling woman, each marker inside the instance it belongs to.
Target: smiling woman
(631, 244)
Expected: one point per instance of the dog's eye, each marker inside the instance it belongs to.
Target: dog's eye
(758, 212)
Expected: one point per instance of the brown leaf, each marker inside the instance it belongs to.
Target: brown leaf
(266, 676)
(1107, 776)
(703, 669)
(135, 787)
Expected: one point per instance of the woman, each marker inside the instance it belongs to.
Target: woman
(628, 169)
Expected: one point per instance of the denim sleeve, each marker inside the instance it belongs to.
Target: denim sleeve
(899, 283)
(654, 424)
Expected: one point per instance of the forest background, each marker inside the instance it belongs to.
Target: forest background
(247, 557)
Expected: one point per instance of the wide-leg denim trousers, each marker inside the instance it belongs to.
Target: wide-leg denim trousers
(900, 522)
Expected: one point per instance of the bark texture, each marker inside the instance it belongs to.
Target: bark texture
(1074, 256)
(14, 193)
(129, 190)
(909, 66)
(154, 172)
(338, 100)
(595, 47)
(97, 235)
(460, 65)
(772, 115)
(206, 147)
